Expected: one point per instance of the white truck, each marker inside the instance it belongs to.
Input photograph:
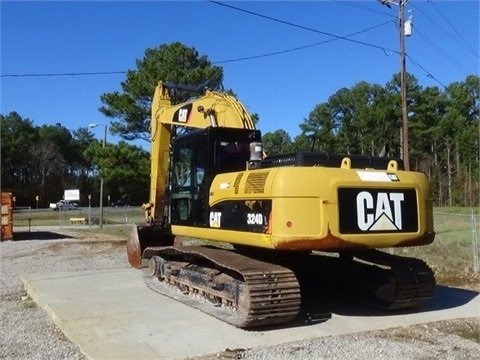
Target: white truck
(64, 205)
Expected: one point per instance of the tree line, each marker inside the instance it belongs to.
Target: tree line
(45, 160)
(444, 134)
(444, 131)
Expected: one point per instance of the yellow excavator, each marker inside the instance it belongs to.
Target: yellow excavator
(270, 221)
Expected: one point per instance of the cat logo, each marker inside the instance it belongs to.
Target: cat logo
(215, 219)
(183, 115)
(383, 213)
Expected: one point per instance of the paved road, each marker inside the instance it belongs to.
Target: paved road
(111, 315)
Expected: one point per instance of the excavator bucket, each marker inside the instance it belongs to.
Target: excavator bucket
(143, 236)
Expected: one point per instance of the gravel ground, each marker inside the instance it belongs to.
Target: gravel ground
(28, 333)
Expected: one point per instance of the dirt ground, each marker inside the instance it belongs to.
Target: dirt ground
(430, 333)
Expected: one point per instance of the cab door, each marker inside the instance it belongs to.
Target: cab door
(188, 174)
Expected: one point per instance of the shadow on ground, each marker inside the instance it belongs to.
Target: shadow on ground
(449, 297)
(39, 235)
(318, 307)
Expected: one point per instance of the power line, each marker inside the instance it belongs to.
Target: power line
(424, 37)
(443, 53)
(215, 62)
(431, 43)
(429, 75)
(465, 44)
(337, 37)
(356, 5)
(436, 47)
(66, 74)
(298, 47)
(303, 27)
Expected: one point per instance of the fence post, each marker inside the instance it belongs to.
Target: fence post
(29, 219)
(474, 243)
(90, 216)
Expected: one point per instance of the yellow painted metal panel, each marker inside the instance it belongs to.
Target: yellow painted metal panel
(234, 237)
(305, 210)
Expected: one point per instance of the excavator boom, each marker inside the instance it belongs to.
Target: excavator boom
(213, 109)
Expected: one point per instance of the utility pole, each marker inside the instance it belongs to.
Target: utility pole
(403, 86)
(403, 80)
(101, 179)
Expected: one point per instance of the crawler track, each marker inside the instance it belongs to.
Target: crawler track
(248, 292)
(411, 281)
(239, 290)
(371, 277)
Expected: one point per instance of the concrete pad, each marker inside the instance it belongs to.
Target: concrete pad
(113, 315)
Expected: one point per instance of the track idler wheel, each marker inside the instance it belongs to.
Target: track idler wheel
(156, 267)
(143, 236)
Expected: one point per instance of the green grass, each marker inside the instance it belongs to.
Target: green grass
(451, 254)
(120, 231)
(457, 210)
(28, 302)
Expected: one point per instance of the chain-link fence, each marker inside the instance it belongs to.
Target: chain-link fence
(455, 250)
(454, 254)
(111, 216)
(85, 217)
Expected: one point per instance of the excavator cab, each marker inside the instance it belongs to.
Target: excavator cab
(196, 158)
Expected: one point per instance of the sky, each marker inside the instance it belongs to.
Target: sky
(281, 58)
